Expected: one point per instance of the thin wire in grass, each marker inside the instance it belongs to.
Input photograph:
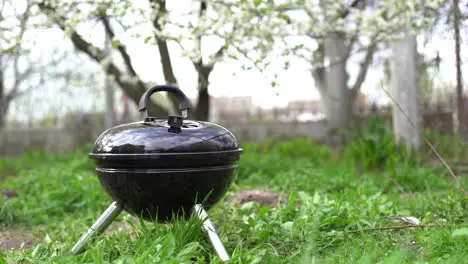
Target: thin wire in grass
(454, 176)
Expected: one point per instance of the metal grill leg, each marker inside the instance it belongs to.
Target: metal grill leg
(210, 229)
(98, 227)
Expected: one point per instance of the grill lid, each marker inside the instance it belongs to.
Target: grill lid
(173, 142)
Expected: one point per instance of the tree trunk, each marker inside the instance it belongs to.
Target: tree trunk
(406, 92)
(3, 102)
(111, 118)
(164, 54)
(165, 58)
(168, 71)
(460, 102)
(3, 113)
(166, 62)
(203, 102)
(336, 96)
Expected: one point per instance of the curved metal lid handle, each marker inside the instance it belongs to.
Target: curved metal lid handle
(184, 104)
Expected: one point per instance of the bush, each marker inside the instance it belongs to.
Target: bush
(373, 146)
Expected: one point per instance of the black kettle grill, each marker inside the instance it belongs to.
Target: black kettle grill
(157, 169)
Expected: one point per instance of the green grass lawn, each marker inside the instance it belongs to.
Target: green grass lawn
(331, 206)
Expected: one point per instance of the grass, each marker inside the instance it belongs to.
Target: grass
(330, 200)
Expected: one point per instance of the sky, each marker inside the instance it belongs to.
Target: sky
(227, 78)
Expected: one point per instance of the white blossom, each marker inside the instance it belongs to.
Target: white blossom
(260, 31)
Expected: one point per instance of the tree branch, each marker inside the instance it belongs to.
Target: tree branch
(163, 49)
(134, 90)
(351, 43)
(355, 36)
(220, 52)
(2, 86)
(202, 69)
(198, 42)
(162, 43)
(18, 76)
(402, 227)
(122, 50)
(364, 68)
(344, 13)
(2, 4)
(391, 228)
(319, 72)
(291, 7)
